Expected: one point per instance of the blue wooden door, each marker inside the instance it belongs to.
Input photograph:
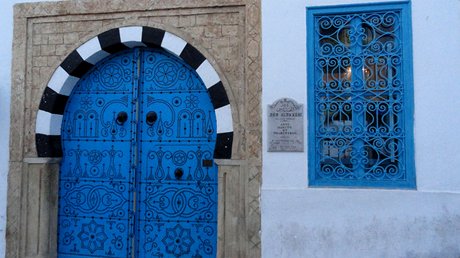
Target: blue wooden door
(137, 175)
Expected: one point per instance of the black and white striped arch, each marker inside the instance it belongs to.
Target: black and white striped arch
(67, 75)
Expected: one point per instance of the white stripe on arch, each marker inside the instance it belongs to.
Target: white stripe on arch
(61, 82)
(173, 43)
(224, 119)
(208, 74)
(47, 123)
(91, 51)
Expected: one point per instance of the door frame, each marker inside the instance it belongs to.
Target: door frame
(82, 59)
(228, 34)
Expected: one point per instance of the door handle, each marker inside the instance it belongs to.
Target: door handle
(151, 118)
(122, 117)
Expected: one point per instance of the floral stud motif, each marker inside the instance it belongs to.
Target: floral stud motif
(92, 236)
(86, 103)
(191, 101)
(178, 240)
(165, 74)
(112, 76)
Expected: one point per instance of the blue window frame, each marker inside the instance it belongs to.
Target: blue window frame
(360, 96)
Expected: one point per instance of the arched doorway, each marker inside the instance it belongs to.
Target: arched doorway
(137, 176)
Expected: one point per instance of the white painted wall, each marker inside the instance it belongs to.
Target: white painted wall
(6, 32)
(298, 221)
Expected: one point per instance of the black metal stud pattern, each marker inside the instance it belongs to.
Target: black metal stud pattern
(134, 184)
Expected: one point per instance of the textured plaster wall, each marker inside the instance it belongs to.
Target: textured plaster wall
(6, 30)
(298, 221)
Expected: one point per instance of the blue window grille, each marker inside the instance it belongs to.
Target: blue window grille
(360, 96)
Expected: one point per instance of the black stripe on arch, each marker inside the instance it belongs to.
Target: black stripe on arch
(218, 95)
(192, 56)
(152, 37)
(223, 146)
(48, 145)
(74, 65)
(53, 102)
(111, 42)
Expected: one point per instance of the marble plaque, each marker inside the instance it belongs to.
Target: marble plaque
(285, 126)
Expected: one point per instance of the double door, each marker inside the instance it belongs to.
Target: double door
(137, 178)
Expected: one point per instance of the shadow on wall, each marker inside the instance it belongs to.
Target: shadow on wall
(448, 253)
(392, 237)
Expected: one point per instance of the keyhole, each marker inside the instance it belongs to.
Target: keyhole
(178, 173)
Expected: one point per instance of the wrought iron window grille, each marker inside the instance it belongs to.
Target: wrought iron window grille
(360, 96)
